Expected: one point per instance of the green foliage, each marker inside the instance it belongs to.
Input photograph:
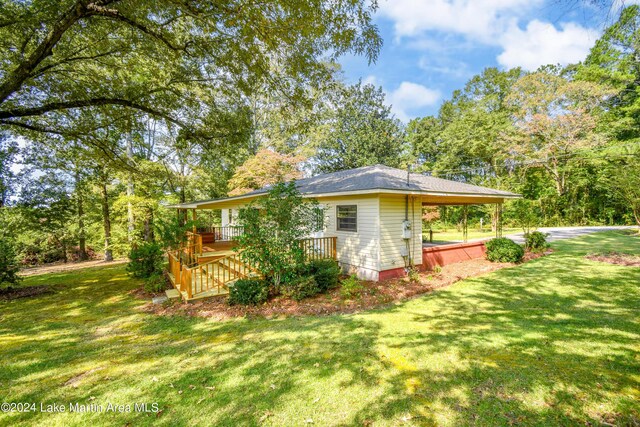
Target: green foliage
(535, 241)
(155, 283)
(145, 260)
(363, 132)
(248, 292)
(413, 274)
(437, 269)
(326, 273)
(8, 263)
(525, 213)
(272, 227)
(157, 57)
(301, 287)
(504, 250)
(351, 287)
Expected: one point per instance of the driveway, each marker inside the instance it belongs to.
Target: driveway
(559, 233)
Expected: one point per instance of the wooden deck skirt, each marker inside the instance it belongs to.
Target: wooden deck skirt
(441, 255)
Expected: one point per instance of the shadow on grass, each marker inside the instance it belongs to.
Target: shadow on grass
(554, 341)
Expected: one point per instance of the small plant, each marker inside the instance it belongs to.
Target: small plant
(413, 274)
(301, 288)
(155, 283)
(536, 241)
(504, 250)
(145, 260)
(8, 264)
(351, 287)
(248, 292)
(437, 269)
(326, 273)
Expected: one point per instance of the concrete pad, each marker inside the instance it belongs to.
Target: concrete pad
(172, 293)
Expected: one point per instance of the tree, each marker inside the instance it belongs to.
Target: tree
(361, 132)
(622, 177)
(265, 168)
(8, 153)
(556, 117)
(614, 60)
(188, 63)
(273, 226)
(8, 263)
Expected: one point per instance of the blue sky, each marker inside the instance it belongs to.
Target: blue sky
(432, 47)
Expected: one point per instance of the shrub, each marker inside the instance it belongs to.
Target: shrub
(145, 260)
(504, 250)
(413, 274)
(301, 288)
(8, 264)
(326, 273)
(248, 292)
(351, 287)
(155, 284)
(536, 241)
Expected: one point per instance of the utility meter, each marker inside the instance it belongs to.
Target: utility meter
(406, 229)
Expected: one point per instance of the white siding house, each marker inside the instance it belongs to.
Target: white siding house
(374, 212)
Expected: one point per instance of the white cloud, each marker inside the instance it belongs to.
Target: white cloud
(481, 19)
(409, 96)
(371, 80)
(491, 23)
(542, 43)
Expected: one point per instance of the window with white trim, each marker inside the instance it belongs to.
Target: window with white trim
(347, 218)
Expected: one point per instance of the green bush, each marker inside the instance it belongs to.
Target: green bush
(326, 273)
(413, 274)
(248, 292)
(145, 260)
(504, 250)
(8, 264)
(155, 284)
(351, 287)
(301, 288)
(535, 241)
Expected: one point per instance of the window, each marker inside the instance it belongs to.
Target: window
(347, 218)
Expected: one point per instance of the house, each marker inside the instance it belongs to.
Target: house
(373, 216)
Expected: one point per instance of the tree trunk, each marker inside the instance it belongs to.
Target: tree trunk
(106, 222)
(130, 217)
(82, 236)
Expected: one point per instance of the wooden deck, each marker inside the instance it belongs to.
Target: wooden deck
(206, 269)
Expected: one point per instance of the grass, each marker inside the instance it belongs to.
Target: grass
(555, 341)
(452, 235)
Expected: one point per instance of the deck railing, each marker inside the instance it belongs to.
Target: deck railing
(194, 279)
(194, 240)
(319, 248)
(227, 233)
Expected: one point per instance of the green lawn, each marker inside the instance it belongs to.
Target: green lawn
(451, 234)
(555, 341)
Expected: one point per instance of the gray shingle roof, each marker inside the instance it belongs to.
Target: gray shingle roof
(380, 177)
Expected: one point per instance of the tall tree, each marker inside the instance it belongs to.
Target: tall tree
(265, 168)
(362, 131)
(185, 62)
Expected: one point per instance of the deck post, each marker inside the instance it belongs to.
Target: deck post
(193, 216)
(465, 224)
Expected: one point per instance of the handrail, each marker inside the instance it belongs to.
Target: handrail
(319, 247)
(215, 274)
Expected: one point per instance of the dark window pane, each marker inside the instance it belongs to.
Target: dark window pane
(347, 218)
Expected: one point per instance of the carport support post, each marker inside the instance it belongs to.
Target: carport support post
(498, 219)
(465, 224)
(193, 216)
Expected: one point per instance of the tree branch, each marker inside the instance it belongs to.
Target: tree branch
(81, 103)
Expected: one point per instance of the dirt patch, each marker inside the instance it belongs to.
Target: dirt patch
(616, 258)
(375, 294)
(60, 267)
(73, 381)
(11, 293)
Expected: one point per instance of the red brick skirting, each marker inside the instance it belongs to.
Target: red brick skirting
(449, 254)
(441, 255)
